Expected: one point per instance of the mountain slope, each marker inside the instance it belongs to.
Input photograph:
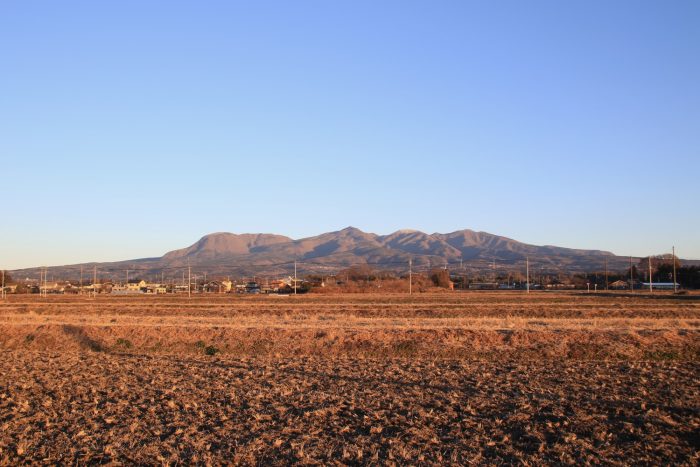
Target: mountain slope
(229, 244)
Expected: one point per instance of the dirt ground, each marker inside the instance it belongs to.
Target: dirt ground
(431, 379)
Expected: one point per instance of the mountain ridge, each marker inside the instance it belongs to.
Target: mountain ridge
(227, 253)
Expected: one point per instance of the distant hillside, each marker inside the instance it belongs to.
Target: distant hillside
(248, 254)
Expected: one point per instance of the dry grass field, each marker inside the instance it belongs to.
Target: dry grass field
(448, 378)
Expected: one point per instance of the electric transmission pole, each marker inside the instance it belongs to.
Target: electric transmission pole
(675, 288)
(410, 276)
(606, 273)
(631, 276)
(651, 280)
(527, 274)
(295, 277)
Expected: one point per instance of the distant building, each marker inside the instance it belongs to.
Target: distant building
(660, 285)
(252, 287)
(132, 287)
(277, 284)
(155, 289)
(218, 286)
(136, 285)
(619, 285)
(52, 287)
(483, 285)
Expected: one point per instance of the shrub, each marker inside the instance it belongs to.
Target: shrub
(440, 278)
(211, 350)
(126, 343)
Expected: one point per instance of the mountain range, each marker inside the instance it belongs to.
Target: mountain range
(248, 254)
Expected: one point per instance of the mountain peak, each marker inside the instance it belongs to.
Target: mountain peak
(350, 228)
(227, 243)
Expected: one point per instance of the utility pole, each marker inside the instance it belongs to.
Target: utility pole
(410, 276)
(127, 278)
(189, 281)
(3, 284)
(295, 277)
(675, 288)
(94, 281)
(606, 273)
(651, 280)
(81, 280)
(527, 274)
(631, 277)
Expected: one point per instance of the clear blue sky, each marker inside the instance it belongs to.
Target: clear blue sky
(130, 128)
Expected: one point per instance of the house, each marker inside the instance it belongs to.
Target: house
(156, 289)
(52, 287)
(252, 287)
(217, 287)
(619, 285)
(92, 288)
(132, 287)
(136, 285)
(277, 284)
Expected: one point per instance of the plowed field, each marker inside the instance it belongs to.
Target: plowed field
(387, 379)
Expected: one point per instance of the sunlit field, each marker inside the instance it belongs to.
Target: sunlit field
(428, 378)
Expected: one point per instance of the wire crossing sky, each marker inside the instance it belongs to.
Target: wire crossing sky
(128, 129)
